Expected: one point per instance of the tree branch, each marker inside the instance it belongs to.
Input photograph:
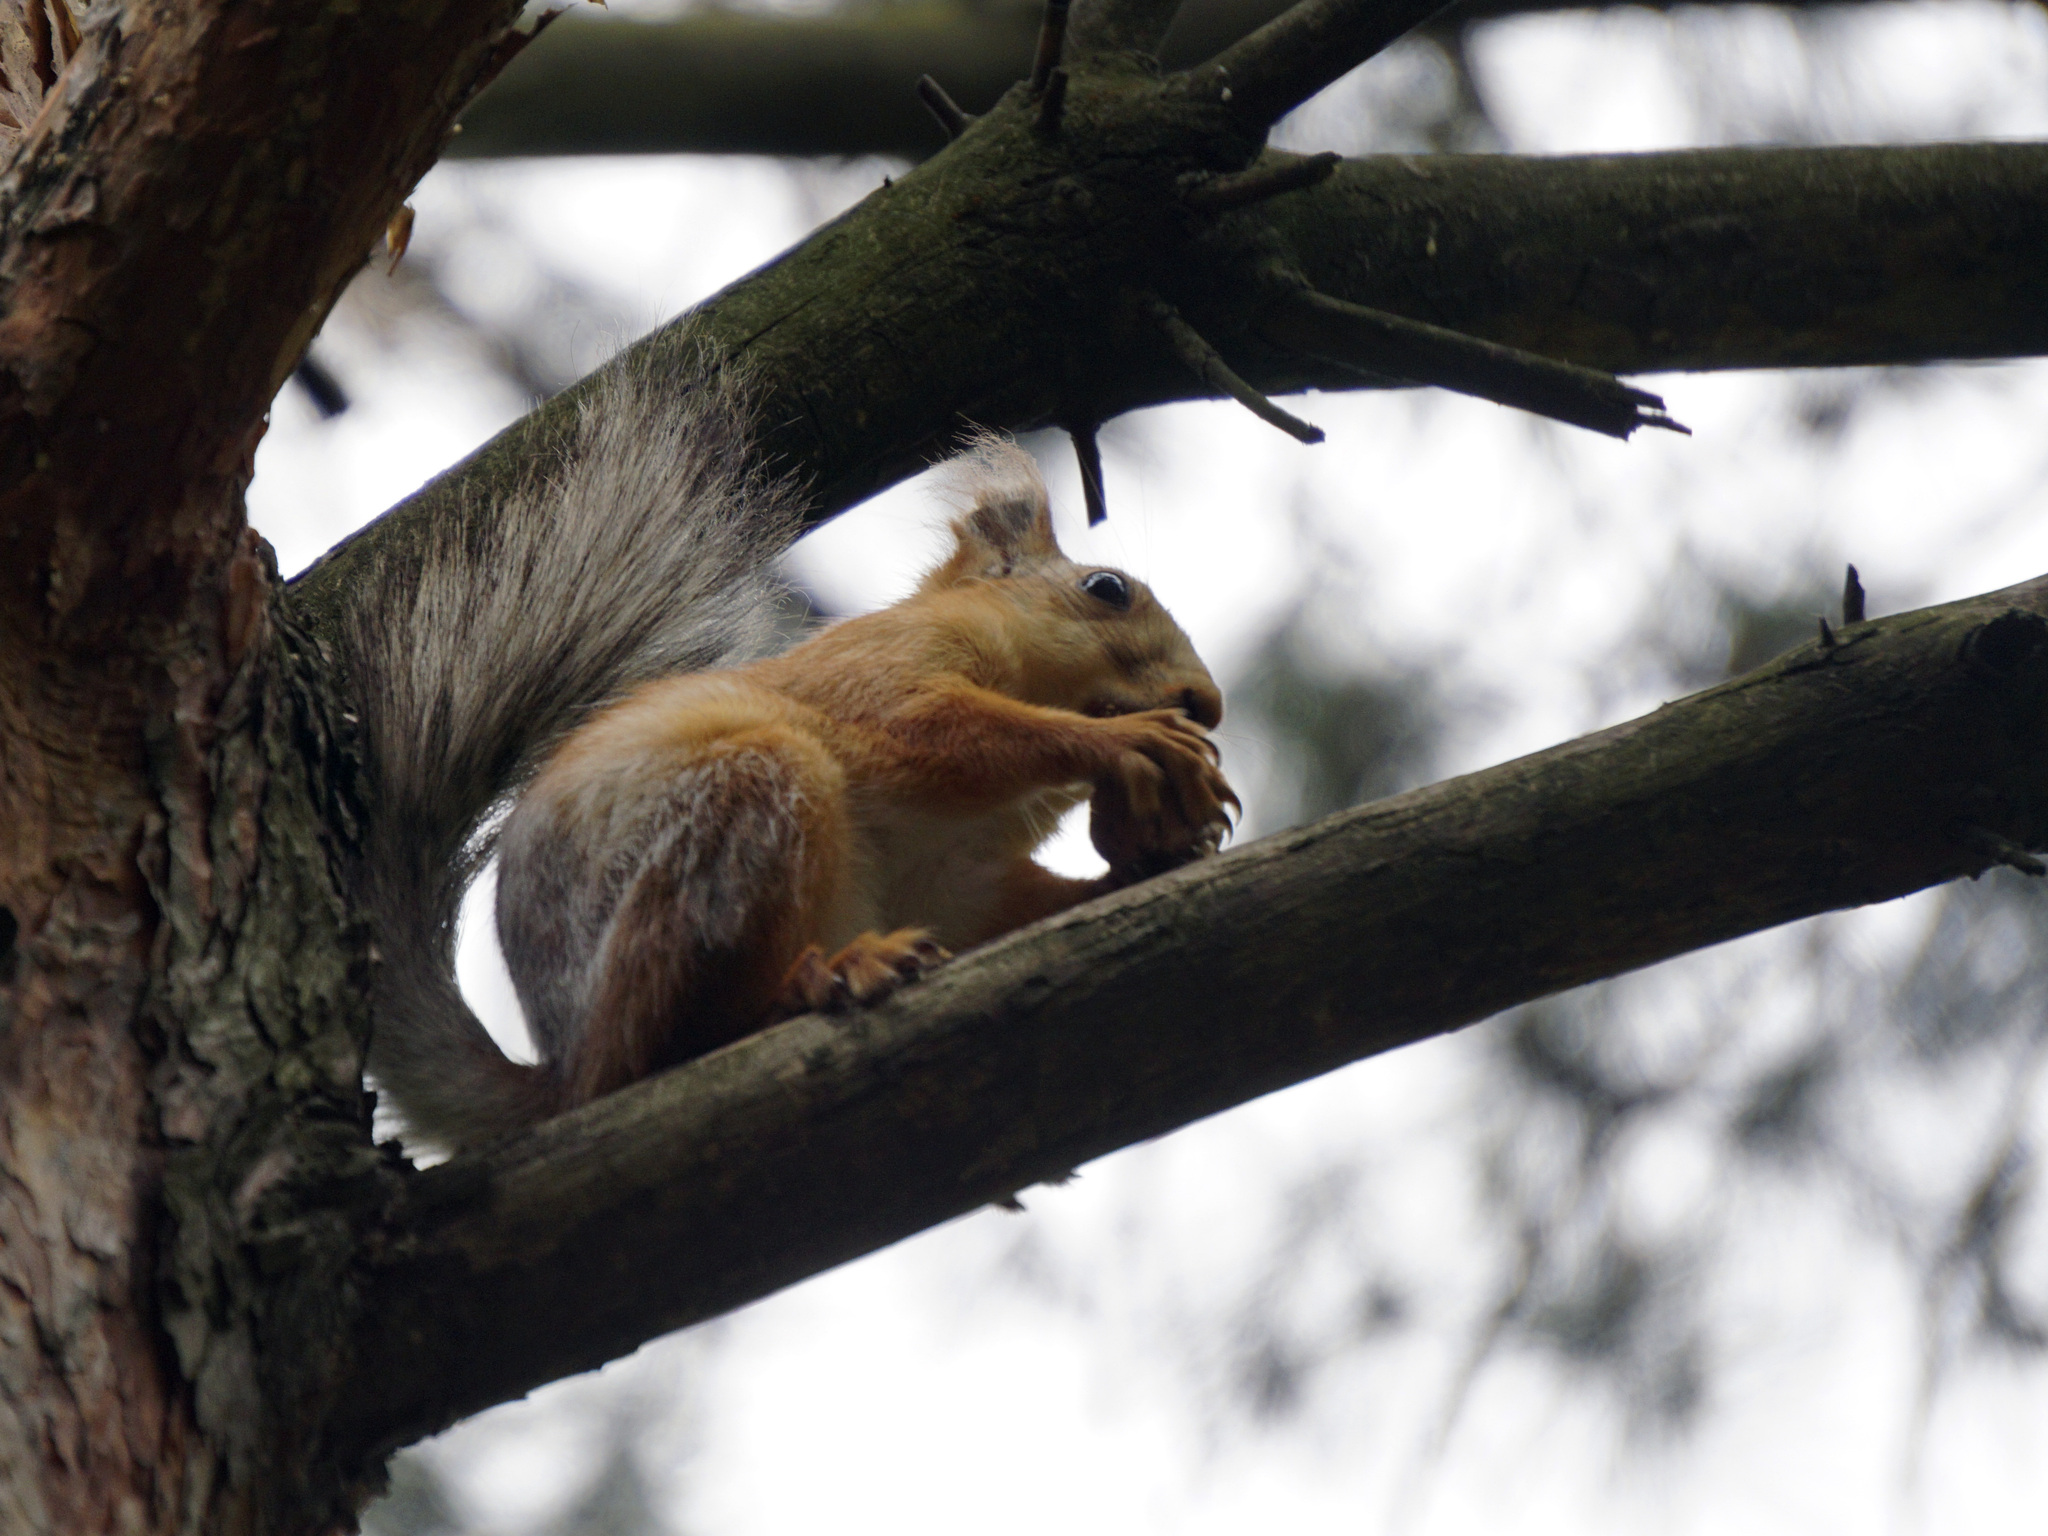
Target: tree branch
(1384, 346)
(1696, 261)
(1275, 176)
(722, 82)
(1296, 54)
(1626, 263)
(1052, 43)
(942, 107)
(1205, 363)
(1828, 779)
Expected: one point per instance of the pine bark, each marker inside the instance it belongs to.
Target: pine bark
(182, 1122)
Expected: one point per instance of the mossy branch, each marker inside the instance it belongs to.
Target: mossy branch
(995, 289)
(1912, 750)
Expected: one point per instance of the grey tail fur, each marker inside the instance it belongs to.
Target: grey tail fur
(642, 548)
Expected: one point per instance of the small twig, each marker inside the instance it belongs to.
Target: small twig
(1373, 342)
(1207, 364)
(1852, 598)
(1303, 49)
(2000, 849)
(1827, 636)
(321, 387)
(1089, 452)
(1052, 40)
(943, 107)
(1052, 103)
(1269, 179)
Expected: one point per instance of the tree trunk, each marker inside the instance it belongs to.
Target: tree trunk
(185, 1133)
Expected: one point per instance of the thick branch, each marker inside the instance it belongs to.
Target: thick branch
(1831, 778)
(719, 82)
(953, 293)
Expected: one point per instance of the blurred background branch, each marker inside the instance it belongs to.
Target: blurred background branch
(718, 80)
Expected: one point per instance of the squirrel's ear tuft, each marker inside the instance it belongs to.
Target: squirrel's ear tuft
(1004, 515)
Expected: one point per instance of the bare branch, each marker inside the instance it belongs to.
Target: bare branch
(1627, 263)
(1052, 39)
(1270, 178)
(1052, 103)
(942, 106)
(1290, 58)
(1382, 346)
(1206, 364)
(1089, 451)
(721, 81)
(1818, 782)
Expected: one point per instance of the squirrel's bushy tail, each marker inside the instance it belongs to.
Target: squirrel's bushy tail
(642, 547)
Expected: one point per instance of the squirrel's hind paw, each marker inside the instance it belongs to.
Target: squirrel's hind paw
(866, 971)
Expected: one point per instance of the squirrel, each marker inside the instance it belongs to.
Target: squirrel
(704, 837)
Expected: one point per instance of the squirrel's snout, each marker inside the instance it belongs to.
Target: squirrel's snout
(1204, 704)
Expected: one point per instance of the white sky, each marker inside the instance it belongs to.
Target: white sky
(922, 1390)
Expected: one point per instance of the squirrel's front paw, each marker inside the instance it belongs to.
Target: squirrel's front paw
(1165, 803)
(866, 971)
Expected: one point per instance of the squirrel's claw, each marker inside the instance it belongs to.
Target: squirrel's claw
(1165, 803)
(864, 972)
(812, 986)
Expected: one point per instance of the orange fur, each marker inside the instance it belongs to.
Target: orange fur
(873, 794)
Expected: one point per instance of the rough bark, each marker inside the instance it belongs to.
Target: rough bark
(722, 82)
(180, 1016)
(1843, 773)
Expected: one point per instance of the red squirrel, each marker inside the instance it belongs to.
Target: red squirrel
(693, 854)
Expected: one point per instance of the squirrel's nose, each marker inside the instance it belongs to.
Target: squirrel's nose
(1204, 704)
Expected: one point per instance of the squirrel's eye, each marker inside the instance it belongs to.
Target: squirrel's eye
(1107, 587)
